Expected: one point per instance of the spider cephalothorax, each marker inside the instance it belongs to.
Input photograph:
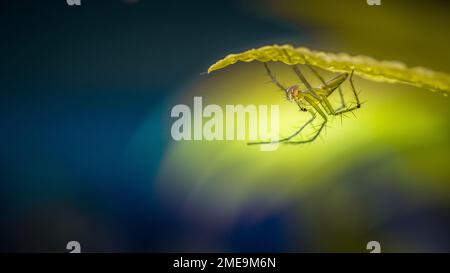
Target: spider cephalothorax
(293, 93)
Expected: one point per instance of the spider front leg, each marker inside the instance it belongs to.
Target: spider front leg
(272, 77)
(310, 139)
(313, 116)
(302, 78)
(321, 113)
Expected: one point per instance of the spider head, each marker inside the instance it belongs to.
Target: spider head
(293, 92)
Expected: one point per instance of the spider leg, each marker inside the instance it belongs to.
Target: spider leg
(334, 112)
(274, 79)
(302, 108)
(313, 116)
(341, 111)
(302, 78)
(310, 139)
(329, 91)
(341, 96)
(358, 103)
(325, 106)
(322, 125)
(322, 80)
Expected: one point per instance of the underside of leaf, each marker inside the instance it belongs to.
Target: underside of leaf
(364, 66)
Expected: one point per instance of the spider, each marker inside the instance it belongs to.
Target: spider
(313, 100)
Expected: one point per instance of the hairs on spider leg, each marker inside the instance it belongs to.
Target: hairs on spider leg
(326, 128)
(316, 128)
(345, 115)
(321, 136)
(325, 131)
(316, 133)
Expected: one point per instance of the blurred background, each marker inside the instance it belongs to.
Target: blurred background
(86, 152)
